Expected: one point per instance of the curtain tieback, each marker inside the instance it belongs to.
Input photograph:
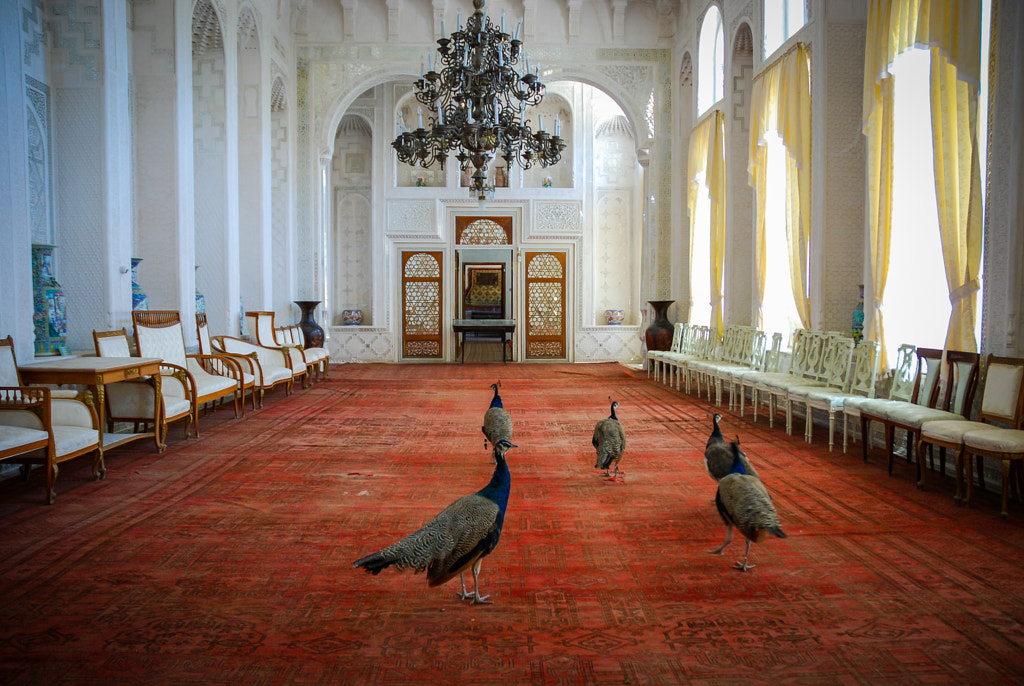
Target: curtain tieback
(967, 290)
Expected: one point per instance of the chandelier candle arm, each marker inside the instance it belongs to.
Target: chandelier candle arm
(473, 95)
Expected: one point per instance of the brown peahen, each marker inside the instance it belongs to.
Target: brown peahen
(497, 421)
(743, 502)
(610, 442)
(718, 455)
(458, 538)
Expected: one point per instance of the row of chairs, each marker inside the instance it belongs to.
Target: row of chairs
(930, 395)
(44, 426)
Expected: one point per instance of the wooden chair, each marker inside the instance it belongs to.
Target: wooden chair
(925, 392)
(903, 378)
(132, 401)
(270, 367)
(246, 367)
(262, 326)
(158, 333)
(656, 357)
(1002, 403)
(858, 382)
(961, 383)
(42, 426)
(1006, 445)
(317, 358)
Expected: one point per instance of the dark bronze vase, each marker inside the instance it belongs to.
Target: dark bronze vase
(659, 334)
(313, 332)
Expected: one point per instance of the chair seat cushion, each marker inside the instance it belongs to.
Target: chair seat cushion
(914, 415)
(12, 437)
(821, 396)
(778, 383)
(71, 439)
(209, 384)
(996, 440)
(950, 430)
(175, 407)
(316, 354)
(877, 407)
(274, 375)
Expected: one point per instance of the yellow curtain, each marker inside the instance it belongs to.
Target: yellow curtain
(707, 158)
(781, 102)
(879, 133)
(958, 192)
(952, 30)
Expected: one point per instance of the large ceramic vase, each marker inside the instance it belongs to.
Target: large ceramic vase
(311, 331)
(200, 298)
(50, 315)
(139, 300)
(858, 318)
(658, 335)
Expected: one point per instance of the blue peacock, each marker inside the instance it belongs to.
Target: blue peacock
(458, 538)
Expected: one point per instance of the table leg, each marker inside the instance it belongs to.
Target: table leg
(158, 406)
(99, 469)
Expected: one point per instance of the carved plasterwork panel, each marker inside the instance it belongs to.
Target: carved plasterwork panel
(411, 218)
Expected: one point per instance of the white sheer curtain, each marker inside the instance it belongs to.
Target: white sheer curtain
(780, 312)
(700, 262)
(916, 304)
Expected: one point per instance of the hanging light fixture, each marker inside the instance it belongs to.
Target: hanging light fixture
(476, 102)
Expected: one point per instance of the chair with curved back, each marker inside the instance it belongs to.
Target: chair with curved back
(317, 358)
(922, 391)
(270, 367)
(245, 366)
(262, 326)
(158, 333)
(1002, 407)
(42, 426)
(132, 401)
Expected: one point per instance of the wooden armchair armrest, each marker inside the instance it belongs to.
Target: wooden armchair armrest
(182, 375)
(219, 365)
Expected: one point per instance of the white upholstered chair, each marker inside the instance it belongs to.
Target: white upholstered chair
(245, 366)
(158, 333)
(317, 358)
(42, 426)
(132, 401)
(262, 326)
(1002, 407)
(858, 382)
(270, 366)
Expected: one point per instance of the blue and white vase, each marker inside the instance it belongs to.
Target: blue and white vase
(351, 317)
(614, 317)
(50, 316)
(139, 300)
(200, 300)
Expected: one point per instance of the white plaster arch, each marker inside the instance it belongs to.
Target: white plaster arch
(326, 128)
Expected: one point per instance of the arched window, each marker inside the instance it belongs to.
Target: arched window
(711, 61)
(782, 18)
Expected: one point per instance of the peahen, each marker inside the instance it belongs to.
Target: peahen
(718, 455)
(497, 421)
(610, 442)
(457, 539)
(743, 502)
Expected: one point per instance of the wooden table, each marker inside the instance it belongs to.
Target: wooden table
(96, 373)
(485, 326)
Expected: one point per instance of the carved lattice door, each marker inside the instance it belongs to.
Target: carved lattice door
(421, 304)
(545, 306)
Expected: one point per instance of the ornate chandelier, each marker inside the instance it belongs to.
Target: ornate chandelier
(476, 103)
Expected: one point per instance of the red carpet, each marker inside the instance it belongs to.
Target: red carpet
(228, 559)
